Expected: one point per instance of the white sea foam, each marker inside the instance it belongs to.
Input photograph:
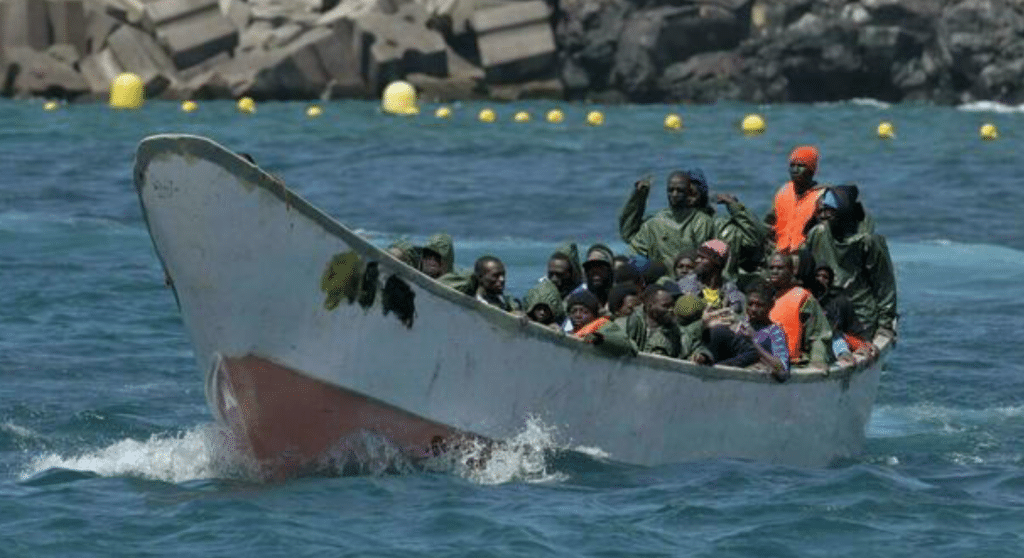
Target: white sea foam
(204, 452)
(20, 431)
(870, 103)
(991, 106)
(896, 422)
(519, 458)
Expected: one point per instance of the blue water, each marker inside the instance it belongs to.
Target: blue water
(107, 448)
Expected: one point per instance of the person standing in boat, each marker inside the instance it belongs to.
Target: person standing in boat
(795, 203)
(688, 221)
(795, 309)
(489, 272)
(859, 259)
(590, 326)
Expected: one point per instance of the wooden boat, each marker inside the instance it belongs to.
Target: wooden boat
(297, 372)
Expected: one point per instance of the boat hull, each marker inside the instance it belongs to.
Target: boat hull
(311, 335)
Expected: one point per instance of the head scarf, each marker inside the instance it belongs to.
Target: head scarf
(715, 249)
(807, 156)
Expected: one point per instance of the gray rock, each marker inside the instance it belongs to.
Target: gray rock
(39, 74)
(704, 78)
(515, 41)
(26, 24)
(99, 70)
(68, 24)
(196, 37)
(392, 47)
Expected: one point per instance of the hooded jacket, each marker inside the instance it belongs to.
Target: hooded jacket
(860, 260)
(667, 233)
(545, 292)
(443, 245)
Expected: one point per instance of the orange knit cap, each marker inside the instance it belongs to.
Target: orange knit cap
(807, 156)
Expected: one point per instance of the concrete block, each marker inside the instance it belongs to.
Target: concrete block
(350, 9)
(207, 85)
(206, 66)
(26, 24)
(515, 41)
(125, 11)
(196, 38)
(434, 89)
(99, 26)
(99, 70)
(68, 23)
(162, 12)
(256, 36)
(237, 11)
(137, 52)
(340, 62)
(391, 47)
(39, 74)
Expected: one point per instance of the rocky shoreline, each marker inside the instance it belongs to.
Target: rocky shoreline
(686, 51)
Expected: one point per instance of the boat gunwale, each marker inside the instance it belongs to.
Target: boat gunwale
(204, 148)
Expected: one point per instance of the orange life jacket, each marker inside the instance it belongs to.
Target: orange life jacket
(792, 215)
(591, 327)
(786, 313)
(855, 343)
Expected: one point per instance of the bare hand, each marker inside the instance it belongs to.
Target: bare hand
(726, 198)
(643, 185)
(702, 358)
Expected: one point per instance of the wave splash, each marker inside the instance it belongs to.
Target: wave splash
(203, 452)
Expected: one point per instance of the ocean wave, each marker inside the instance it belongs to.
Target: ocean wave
(991, 106)
(22, 222)
(204, 452)
(897, 422)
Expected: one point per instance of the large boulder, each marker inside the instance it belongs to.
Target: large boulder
(515, 41)
(41, 75)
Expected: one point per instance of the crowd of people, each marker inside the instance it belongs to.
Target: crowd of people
(810, 284)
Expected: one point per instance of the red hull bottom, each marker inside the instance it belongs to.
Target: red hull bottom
(293, 424)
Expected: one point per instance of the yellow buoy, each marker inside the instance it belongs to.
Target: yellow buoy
(127, 92)
(399, 97)
(50, 106)
(595, 118)
(989, 132)
(886, 130)
(521, 117)
(443, 112)
(753, 124)
(314, 111)
(246, 105)
(555, 116)
(487, 115)
(673, 122)
(189, 106)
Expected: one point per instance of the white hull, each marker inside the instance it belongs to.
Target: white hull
(246, 255)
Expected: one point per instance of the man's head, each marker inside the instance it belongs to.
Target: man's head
(622, 299)
(431, 263)
(560, 273)
(824, 276)
(803, 163)
(541, 313)
(839, 208)
(711, 258)
(583, 308)
(658, 304)
(780, 271)
(490, 274)
(760, 298)
(598, 267)
(684, 263)
(687, 189)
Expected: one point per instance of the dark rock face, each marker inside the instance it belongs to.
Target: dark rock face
(696, 51)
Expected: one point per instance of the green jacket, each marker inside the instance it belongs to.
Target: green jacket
(635, 326)
(545, 292)
(614, 340)
(443, 245)
(665, 341)
(667, 233)
(863, 272)
(817, 333)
